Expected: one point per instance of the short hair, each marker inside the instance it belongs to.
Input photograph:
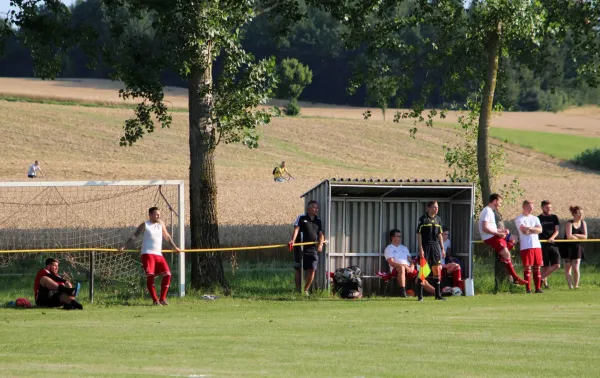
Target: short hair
(527, 202)
(152, 209)
(445, 229)
(431, 203)
(35, 162)
(494, 197)
(51, 260)
(311, 202)
(394, 232)
(546, 202)
(574, 209)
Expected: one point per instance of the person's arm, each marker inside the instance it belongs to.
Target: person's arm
(289, 174)
(448, 250)
(554, 234)
(294, 235)
(168, 237)
(40, 169)
(393, 263)
(537, 228)
(441, 239)
(487, 230)
(569, 231)
(137, 233)
(321, 241)
(584, 235)
(420, 240)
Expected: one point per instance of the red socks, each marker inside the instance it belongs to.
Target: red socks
(537, 277)
(457, 278)
(151, 289)
(511, 270)
(527, 277)
(164, 287)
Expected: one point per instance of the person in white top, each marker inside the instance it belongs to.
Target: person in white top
(529, 227)
(495, 237)
(152, 259)
(34, 169)
(399, 259)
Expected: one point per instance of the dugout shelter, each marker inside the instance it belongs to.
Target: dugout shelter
(357, 215)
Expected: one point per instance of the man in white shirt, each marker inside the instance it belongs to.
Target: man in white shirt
(399, 259)
(34, 169)
(529, 227)
(495, 237)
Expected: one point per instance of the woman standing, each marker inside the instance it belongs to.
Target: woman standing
(575, 229)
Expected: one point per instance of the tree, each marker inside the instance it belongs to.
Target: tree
(465, 46)
(185, 36)
(293, 76)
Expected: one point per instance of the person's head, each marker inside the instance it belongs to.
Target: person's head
(546, 207)
(396, 237)
(445, 233)
(312, 209)
(36, 163)
(154, 214)
(432, 208)
(283, 164)
(495, 201)
(576, 212)
(52, 265)
(527, 207)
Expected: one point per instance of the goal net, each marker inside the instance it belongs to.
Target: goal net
(39, 217)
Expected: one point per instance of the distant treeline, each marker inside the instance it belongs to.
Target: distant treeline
(316, 41)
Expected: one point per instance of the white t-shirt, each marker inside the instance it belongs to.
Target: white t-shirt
(531, 240)
(152, 241)
(446, 247)
(487, 215)
(33, 169)
(401, 254)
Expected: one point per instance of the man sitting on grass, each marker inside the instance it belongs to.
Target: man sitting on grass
(52, 290)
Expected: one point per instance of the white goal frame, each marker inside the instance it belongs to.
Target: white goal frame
(180, 198)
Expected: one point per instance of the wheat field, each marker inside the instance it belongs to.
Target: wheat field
(81, 143)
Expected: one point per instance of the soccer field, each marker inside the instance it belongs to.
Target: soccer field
(554, 334)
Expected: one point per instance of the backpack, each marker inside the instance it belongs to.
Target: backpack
(275, 170)
(347, 283)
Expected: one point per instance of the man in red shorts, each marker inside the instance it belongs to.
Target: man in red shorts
(529, 227)
(495, 237)
(399, 259)
(154, 263)
(52, 290)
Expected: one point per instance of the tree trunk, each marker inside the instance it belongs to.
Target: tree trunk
(485, 116)
(207, 268)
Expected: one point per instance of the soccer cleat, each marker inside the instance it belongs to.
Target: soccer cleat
(528, 291)
(76, 305)
(306, 293)
(521, 281)
(538, 291)
(164, 303)
(157, 303)
(68, 307)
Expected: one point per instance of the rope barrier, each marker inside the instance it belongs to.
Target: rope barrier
(50, 250)
(556, 241)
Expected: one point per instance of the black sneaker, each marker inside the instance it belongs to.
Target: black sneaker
(546, 286)
(528, 291)
(539, 291)
(440, 298)
(420, 299)
(403, 294)
(68, 307)
(76, 305)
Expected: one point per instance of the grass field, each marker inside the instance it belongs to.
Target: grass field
(560, 146)
(554, 334)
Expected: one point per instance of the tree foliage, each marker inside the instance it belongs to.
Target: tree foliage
(293, 78)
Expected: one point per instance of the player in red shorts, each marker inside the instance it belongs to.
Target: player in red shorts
(400, 261)
(154, 263)
(529, 227)
(495, 237)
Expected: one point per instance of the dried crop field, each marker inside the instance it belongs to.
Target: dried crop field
(81, 143)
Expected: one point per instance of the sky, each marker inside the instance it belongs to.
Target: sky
(4, 5)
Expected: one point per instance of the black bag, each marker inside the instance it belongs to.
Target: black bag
(347, 283)
(275, 170)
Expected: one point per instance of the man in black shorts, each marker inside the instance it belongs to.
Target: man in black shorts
(307, 228)
(52, 290)
(431, 247)
(550, 251)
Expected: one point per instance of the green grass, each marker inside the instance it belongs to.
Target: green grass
(562, 146)
(554, 334)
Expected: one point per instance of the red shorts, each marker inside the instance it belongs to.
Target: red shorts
(154, 264)
(532, 257)
(409, 276)
(496, 242)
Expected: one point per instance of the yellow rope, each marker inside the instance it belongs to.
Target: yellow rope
(164, 251)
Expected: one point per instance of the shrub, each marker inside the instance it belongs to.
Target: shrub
(589, 158)
(292, 108)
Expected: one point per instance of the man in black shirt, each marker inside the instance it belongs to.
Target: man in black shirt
(431, 246)
(550, 251)
(307, 228)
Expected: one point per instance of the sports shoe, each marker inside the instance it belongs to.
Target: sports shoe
(403, 294)
(164, 303)
(306, 293)
(76, 305)
(546, 286)
(420, 299)
(521, 281)
(157, 303)
(528, 291)
(538, 291)
(440, 298)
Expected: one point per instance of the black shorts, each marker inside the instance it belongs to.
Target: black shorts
(571, 251)
(433, 254)
(51, 301)
(31, 176)
(307, 259)
(550, 254)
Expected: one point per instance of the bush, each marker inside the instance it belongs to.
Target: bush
(589, 158)
(292, 108)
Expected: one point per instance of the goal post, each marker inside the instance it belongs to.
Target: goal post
(46, 215)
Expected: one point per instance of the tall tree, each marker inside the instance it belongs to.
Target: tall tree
(185, 36)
